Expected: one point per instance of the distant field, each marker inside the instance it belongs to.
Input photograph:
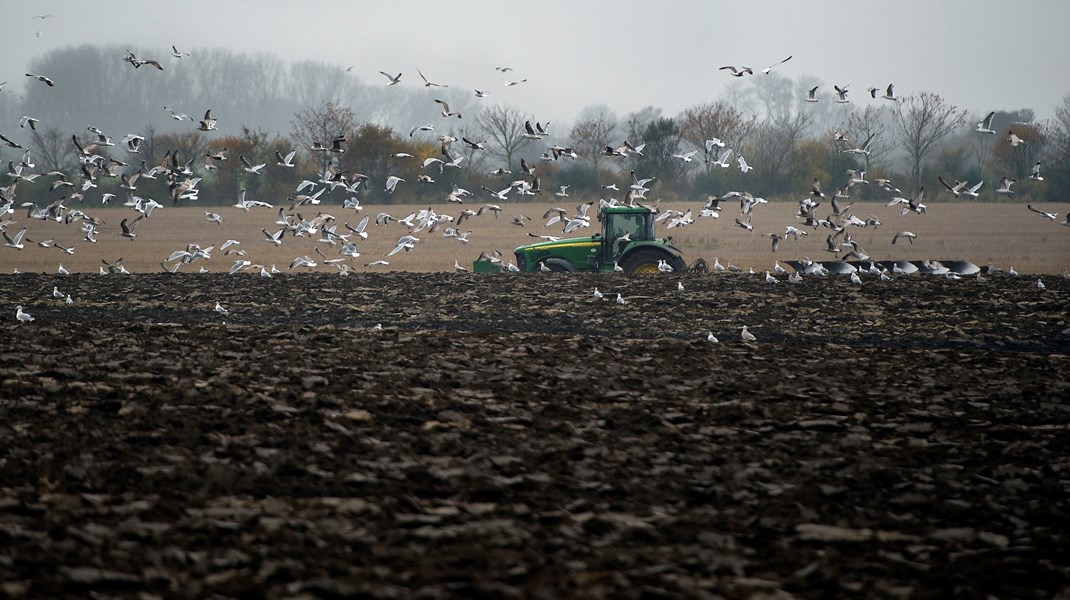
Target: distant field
(1002, 234)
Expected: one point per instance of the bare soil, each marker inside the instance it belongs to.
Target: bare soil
(512, 436)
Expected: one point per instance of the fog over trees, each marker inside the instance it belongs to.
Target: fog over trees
(265, 105)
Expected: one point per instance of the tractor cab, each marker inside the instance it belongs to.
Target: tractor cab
(635, 224)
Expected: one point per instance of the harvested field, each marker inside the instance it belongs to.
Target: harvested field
(1005, 234)
(512, 436)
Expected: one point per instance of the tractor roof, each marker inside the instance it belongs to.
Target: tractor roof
(626, 210)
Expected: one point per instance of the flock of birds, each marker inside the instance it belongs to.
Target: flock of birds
(177, 176)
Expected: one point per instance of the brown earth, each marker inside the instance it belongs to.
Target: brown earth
(512, 436)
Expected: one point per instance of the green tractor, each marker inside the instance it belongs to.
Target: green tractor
(638, 252)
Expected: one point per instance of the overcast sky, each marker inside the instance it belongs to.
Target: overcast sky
(625, 53)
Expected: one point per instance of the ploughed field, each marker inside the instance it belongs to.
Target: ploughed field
(512, 436)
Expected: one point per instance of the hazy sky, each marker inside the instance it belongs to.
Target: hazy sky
(625, 53)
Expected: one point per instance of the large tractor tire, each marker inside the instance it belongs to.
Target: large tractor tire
(559, 265)
(646, 260)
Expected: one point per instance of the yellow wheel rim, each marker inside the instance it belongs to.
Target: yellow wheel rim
(647, 269)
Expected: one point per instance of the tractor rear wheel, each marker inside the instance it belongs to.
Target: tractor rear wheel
(645, 261)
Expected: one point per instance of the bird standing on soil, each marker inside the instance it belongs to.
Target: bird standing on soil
(219, 308)
(747, 336)
(22, 317)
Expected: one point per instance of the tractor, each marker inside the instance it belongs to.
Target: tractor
(627, 240)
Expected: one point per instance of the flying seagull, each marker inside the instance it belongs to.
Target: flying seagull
(42, 78)
(426, 82)
(770, 67)
(737, 72)
(446, 110)
(393, 80)
(985, 126)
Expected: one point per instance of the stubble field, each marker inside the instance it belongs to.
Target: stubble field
(1004, 234)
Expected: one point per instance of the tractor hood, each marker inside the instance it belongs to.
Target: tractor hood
(593, 240)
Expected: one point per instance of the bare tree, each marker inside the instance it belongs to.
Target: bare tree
(53, 151)
(595, 129)
(1059, 151)
(321, 125)
(503, 127)
(920, 123)
(774, 93)
(1017, 161)
(713, 120)
(869, 123)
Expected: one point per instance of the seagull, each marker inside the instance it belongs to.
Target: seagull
(426, 82)
(393, 80)
(177, 115)
(14, 242)
(1035, 175)
(175, 53)
(770, 67)
(889, 94)
(722, 159)
(1014, 140)
(285, 161)
(855, 279)
(1005, 186)
(219, 308)
(954, 189)
(985, 126)
(42, 79)
(510, 83)
(32, 122)
(743, 166)
(711, 338)
(391, 183)
(22, 317)
(737, 72)
(427, 127)
(128, 228)
(620, 299)
(481, 94)
(686, 157)
(747, 336)
(208, 123)
(458, 268)
(972, 191)
(863, 149)
(1047, 215)
(904, 234)
(664, 266)
(769, 278)
(598, 295)
(446, 110)
(1040, 285)
(212, 217)
(811, 96)
(248, 167)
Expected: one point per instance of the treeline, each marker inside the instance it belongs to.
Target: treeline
(266, 106)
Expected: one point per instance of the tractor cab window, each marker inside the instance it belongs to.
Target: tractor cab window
(632, 225)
